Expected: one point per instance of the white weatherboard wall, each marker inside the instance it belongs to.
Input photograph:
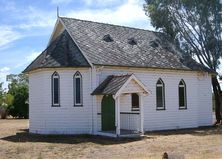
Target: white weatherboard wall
(199, 105)
(66, 119)
(205, 99)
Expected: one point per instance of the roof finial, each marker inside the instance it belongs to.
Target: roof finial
(57, 11)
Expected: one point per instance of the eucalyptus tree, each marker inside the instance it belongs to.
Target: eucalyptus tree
(195, 26)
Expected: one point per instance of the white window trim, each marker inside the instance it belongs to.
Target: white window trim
(185, 100)
(163, 96)
(55, 76)
(78, 75)
(136, 109)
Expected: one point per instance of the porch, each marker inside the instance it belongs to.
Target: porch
(121, 110)
(129, 126)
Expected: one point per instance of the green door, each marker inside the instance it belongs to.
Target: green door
(108, 113)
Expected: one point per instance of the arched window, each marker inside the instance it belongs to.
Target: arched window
(160, 95)
(182, 95)
(135, 101)
(55, 89)
(77, 80)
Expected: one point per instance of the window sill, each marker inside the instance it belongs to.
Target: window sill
(159, 109)
(182, 108)
(135, 109)
(78, 105)
(56, 105)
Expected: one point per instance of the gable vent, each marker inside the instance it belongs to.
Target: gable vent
(132, 41)
(107, 38)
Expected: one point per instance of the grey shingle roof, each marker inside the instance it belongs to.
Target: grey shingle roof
(111, 85)
(152, 49)
(129, 47)
(62, 52)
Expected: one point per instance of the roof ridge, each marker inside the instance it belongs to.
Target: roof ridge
(112, 25)
(123, 75)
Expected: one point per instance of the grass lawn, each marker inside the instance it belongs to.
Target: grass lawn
(16, 143)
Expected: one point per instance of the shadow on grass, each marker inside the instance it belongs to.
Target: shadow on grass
(201, 131)
(25, 136)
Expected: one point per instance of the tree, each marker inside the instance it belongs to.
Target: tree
(195, 25)
(1, 101)
(18, 87)
(15, 81)
(5, 102)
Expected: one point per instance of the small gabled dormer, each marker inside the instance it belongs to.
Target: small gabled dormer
(132, 41)
(107, 38)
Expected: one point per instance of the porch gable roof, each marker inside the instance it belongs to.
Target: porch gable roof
(113, 85)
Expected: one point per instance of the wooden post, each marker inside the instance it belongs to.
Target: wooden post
(141, 113)
(117, 116)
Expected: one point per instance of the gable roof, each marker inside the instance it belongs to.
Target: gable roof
(62, 52)
(152, 49)
(111, 85)
(129, 47)
(114, 83)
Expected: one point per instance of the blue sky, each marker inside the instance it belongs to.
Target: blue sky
(27, 25)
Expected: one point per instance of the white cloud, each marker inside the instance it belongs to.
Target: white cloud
(129, 13)
(4, 71)
(8, 35)
(37, 18)
(32, 56)
(31, 18)
(28, 59)
(100, 2)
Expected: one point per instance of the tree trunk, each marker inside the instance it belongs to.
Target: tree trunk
(217, 92)
(3, 113)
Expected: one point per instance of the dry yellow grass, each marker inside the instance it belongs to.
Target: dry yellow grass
(16, 143)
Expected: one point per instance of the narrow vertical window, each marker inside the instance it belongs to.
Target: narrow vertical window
(55, 89)
(160, 95)
(77, 89)
(135, 101)
(182, 95)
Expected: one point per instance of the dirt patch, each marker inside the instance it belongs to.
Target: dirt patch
(16, 142)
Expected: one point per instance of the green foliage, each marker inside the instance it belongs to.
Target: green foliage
(18, 87)
(195, 24)
(1, 93)
(3, 102)
(8, 98)
(19, 108)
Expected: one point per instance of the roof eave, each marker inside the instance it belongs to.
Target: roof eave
(158, 68)
(42, 68)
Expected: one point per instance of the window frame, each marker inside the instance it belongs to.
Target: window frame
(55, 75)
(133, 108)
(185, 94)
(163, 107)
(77, 75)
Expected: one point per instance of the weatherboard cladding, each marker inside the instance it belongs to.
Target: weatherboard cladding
(149, 49)
(111, 85)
